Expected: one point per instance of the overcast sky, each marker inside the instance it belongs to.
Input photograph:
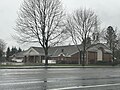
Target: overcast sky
(108, 12)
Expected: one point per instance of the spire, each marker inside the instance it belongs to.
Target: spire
(95, 38)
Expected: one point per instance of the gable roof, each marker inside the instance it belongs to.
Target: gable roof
(66, 50)
(19, 54)
(95, 47)
(39, 50)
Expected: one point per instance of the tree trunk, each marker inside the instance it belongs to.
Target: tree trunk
(83, 61)
(80, 57)
(84, 50)
(113, 55)
(46, 57)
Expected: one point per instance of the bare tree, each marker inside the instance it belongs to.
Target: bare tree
(112, 40)
(80, 26)
(40, 21)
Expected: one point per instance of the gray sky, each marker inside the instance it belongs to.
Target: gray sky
(108, 12)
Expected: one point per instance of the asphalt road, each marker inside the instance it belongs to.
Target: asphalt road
(60, 79)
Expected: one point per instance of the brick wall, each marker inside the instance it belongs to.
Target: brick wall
(92, 57)
(107, 57)
(74, 59)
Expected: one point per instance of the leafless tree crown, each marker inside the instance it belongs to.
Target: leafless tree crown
(81, 24)
(2, 45)
(40, 21)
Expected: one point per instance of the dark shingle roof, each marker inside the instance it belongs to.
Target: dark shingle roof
(55, 51)
(39, 50)
(69, 50)
(66, 50)
(19, 54)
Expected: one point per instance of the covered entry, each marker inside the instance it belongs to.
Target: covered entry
(32, 56)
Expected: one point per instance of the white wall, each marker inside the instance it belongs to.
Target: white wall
(17, 60)
(50, 61)
(99, 55)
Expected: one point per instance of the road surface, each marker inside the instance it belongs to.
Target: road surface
(60, 79)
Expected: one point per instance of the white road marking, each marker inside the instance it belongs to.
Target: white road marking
(83, 87)
(20, 83)
(15, 80)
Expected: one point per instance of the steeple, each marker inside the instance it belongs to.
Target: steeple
(96, 35)
(95, 38)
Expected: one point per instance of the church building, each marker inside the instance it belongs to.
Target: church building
(69, 54)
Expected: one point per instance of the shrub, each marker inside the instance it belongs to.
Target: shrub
(103, 63)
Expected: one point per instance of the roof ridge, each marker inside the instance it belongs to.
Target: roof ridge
(56, 46)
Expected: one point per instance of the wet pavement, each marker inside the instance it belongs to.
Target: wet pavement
(60, 79)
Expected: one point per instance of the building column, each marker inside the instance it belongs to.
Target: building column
(40, 59)
(27, 59)
(34, 59)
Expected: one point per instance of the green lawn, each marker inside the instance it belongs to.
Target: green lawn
(39, 64)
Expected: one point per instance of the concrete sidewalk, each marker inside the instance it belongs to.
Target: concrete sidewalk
(38, 67)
